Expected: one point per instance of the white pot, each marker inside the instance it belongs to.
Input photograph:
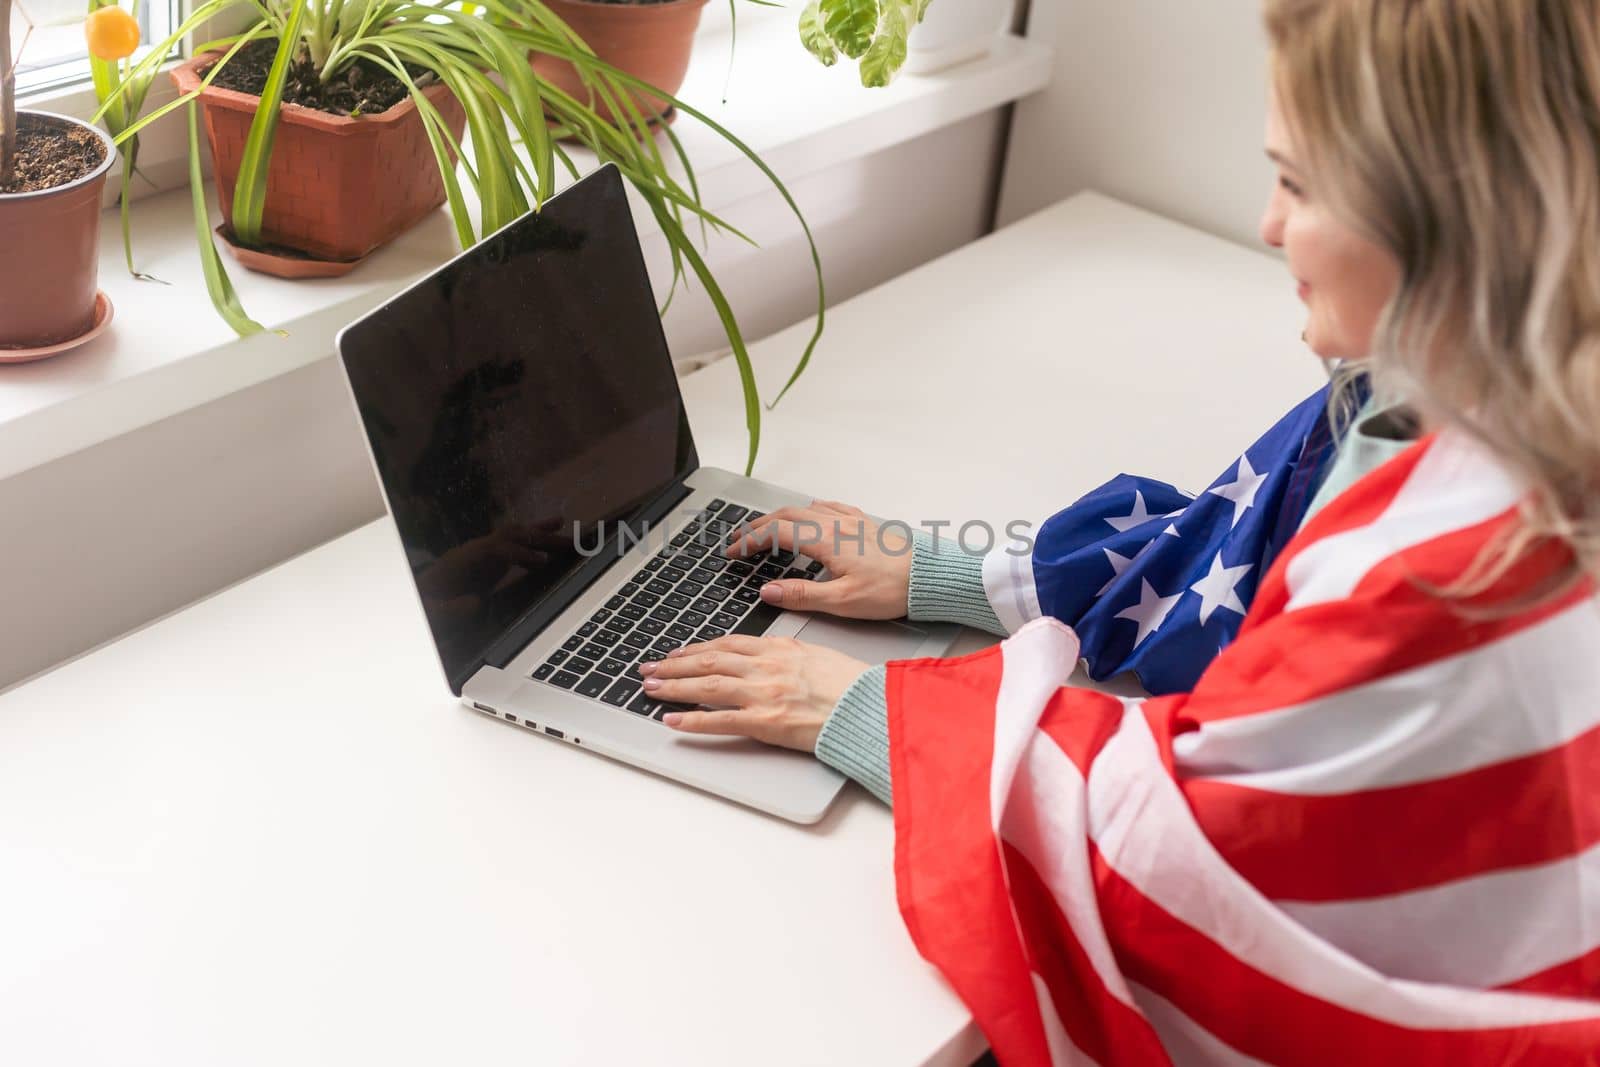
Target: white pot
(956, 31)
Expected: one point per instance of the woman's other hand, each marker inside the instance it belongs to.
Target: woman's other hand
(870, 566)
(774, 689)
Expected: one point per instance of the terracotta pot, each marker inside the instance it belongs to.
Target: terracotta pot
(337, 187)
(650, 41)
(50, 255)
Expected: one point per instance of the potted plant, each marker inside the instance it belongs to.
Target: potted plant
(872, 31)
(430, 58)
(649, 39)
(52, 174)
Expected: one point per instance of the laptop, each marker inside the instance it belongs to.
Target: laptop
(525, 423)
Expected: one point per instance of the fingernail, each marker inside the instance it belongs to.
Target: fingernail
(772, 593)
(672, 718)
(652, 683)
(647, 668)
(674, 652)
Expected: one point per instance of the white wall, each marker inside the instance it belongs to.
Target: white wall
(105, 540)
(1160, 103)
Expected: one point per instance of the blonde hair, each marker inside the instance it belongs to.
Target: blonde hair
(1464, 137)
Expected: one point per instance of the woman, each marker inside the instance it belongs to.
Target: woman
(1369, 831)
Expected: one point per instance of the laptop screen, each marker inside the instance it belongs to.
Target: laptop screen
(515, 401)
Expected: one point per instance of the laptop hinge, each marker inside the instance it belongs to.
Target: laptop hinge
(519, 633)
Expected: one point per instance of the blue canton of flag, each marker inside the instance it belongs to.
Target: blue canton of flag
(1156, 581)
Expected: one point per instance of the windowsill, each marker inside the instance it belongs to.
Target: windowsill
(167, 351)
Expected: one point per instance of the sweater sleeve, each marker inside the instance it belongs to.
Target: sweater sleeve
(855, 739)
(947, 585)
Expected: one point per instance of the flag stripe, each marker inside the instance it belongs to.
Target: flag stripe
(1515, 813)
(1577, 977)
(1009, 584)
(1186, 1041)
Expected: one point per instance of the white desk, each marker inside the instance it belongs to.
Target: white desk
(262, 832)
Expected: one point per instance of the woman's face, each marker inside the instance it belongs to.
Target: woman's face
(1345, 279)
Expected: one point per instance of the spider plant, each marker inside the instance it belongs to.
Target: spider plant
(125, 104)
(516, 127)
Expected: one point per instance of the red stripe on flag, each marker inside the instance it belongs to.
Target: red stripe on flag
(1108, 1030)
(1353, 845)
(1389, 624)
(948, 877)
(1275, 1022)
(1577, 977)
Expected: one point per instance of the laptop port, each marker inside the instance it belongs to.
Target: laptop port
(511, 718)
(553, 732)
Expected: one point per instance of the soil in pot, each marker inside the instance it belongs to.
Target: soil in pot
(51, 153)
(363, 89)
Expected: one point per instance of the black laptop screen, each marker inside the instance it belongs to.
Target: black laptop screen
(516, 401)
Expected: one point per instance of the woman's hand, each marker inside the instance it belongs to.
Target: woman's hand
(774, 689)
(870, 568)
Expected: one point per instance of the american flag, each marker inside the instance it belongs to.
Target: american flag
(1370, 834)
(1154, 580)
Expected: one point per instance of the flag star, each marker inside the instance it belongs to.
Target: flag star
(1151, 610)
(1172, 528)
(1218, 589)
(1242, 491)
(1140, 515)
(1118, 565)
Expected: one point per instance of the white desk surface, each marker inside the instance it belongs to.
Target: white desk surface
(261, 831)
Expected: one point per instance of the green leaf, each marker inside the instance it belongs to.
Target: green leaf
(814, 37)
(223, 298)
(888, 52)
(250, 188)
(851, 24)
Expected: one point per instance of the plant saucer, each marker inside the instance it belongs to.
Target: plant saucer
(286, 262)
(103, 313)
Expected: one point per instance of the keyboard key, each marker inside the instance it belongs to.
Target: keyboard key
(586, 629)
(704, 606)
(565, 679)
(673, 574)
(594, 685)
(650, 655)
(622, 692)
(649, 600)
(631, 611)
(732, 514)
(753, 516)
(651, 626)
(606, 638)
(760, 619)
(543, 671)
(693, 618)
(658, 587)
(724, 620)
(741, 567)
(600, 616)
(593, 651)
(679, 631)
(691, 589)
(611, 666)
(747, 595)
(676, 600)
(655, 564)
(795, 572)
(626, 653)
(814, 567)
(679, 540)
(579, 665)
(714, 563)
(558, 657)
(716, 592)
(643, 705)
(573, 643)
(642, 577)
(700, 576)
(666, 612)
(638, 639)
(666, 644)
(628, 590)
(696, 549)
(711, 633)
(729, 580)
(769, 571)
(615, 602)
(716, 505)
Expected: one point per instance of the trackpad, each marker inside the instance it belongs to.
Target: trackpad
(871, 642)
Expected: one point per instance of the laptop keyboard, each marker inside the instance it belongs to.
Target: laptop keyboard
(689, 591)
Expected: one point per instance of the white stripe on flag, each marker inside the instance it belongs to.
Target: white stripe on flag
(1187, 1042)
(1008, 583)
(1455, 485)
(1034, 662)
(1442, 719)
(1063, 1050)
(1451, 933)
(1147, 834)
